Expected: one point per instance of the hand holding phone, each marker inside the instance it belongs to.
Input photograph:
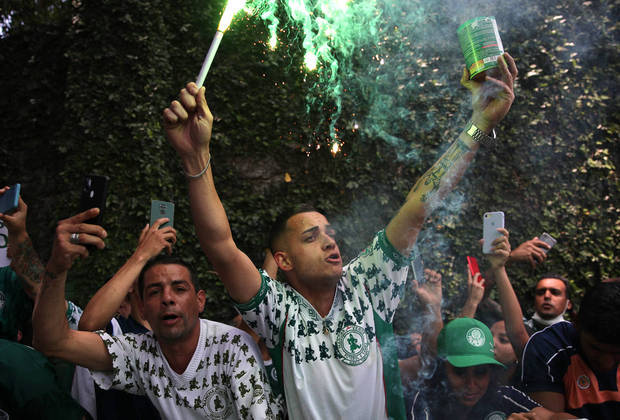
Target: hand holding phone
(161, 209)
(490, 223)
(9, 201)
(549, 240)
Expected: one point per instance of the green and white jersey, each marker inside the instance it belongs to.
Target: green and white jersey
(73, 315)
(225, 378)
(337, 367)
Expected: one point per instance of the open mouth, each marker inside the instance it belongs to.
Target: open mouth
(334, 258)
(170, 318)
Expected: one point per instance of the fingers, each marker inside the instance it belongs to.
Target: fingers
(478, 280)
(175, 114)
(511, 65)
(159, 222)
(507, 76)
(466, 81)
(188, 100)
(432, 276)
(73, 248)
(202, 108)
(145, 229)
(540, 244)
(80, 217)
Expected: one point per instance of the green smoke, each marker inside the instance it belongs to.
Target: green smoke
(331, 33)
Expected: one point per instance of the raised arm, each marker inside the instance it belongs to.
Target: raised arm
(52, 335)
(429, 295)
(24, 259)
(188, 124)
(491, 101)
(103, 305)
(475, 294)
(513, 316)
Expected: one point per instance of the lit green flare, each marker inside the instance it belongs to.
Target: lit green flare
(232, 7)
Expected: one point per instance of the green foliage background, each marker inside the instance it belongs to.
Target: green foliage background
(84, 83)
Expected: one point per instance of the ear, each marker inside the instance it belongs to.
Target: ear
(283, 261)
(569, 305)
(201, 297)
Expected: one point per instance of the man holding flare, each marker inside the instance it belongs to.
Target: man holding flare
(325, 326)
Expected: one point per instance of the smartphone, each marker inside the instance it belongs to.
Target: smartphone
(549, 240)
(491, 221)
(418, 266)
(472, 263)
(161, 209)
(10, 199)
(94, 194)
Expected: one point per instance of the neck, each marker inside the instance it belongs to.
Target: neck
(321, 298)
(179, 353)
(546, 322)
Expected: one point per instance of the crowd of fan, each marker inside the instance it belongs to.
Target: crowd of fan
(312, 338)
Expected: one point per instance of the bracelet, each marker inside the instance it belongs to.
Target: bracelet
(201, 173)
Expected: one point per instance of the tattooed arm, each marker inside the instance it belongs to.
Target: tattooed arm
(52, 335)
(24, 259)
(491, 100)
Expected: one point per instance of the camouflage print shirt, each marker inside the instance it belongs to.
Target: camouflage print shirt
(337, 366)
(225, 378)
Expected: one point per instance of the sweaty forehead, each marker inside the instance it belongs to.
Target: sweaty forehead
(165, 273)
(301, 222)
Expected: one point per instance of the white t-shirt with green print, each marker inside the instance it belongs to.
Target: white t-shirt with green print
(336, 367)
(225, 378)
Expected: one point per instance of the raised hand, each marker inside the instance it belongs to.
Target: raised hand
(532, 251)
(72, 236)
(500, 250)
(188, 122)
(429, 292)
(154, 240)
(15, 222)
(491, 97)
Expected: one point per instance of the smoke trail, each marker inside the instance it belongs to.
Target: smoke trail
(331, 33)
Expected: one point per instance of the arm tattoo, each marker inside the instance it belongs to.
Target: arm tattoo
(26, 262)
(436, 173)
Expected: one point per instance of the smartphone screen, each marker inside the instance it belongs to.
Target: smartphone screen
(490, 223)
(10, 199)
(160, 209)
(94, 194)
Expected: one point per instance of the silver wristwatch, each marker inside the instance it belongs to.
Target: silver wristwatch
(478, 135)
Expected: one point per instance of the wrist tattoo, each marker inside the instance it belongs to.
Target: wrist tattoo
(437, 172)
(26, 262)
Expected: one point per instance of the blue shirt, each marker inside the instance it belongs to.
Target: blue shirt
(552, 363)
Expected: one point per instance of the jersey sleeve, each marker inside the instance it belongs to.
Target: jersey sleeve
(249, 383)
(265, 313)
(73, 314)
(516, 401)
(125, 365)
(381, 272)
